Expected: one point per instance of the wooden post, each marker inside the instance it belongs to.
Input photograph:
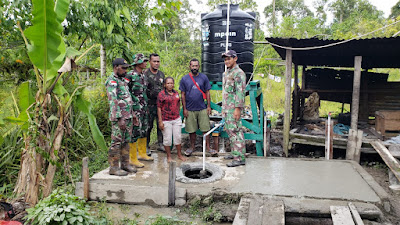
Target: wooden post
(303, 87)
(171, 183)
(296, 103)
(286, 119)
(357, 151)
(303, 77)
(85, 177)
(355, 103)
(365, 105)
(354, 142)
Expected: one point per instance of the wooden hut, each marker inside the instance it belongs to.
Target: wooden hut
(324, 64)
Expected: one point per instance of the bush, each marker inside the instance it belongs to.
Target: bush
(60, 208)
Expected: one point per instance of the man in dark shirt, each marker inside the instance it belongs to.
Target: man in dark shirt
(155, 78)
(195, 88)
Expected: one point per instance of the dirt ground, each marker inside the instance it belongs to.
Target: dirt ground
(380, 173)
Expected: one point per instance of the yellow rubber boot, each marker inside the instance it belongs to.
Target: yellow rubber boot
(142, 150)
(133, 155)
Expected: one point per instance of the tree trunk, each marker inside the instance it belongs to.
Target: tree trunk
(51, 169)
(102, 61)
(32, 163)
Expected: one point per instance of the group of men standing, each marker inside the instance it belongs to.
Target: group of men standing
(131, 98)
(133, 109)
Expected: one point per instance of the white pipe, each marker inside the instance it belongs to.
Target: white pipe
(227, 26)
(204, 144)
(227, 32)
(329, 138)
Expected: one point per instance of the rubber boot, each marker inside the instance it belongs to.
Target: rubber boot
(133, 155)
(142, 150)
(113, 159)
(125, 165)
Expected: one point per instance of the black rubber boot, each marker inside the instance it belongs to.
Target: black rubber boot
(117, 171)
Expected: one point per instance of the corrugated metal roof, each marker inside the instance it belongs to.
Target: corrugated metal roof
(375, 52)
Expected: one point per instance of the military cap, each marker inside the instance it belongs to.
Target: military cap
(120, 61)
(139, 58)
(229, 53)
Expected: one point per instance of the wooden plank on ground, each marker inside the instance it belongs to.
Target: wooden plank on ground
(255, 212)
(390, 161)
(273, 212)
(242, 213)
(286, 119)
(259, 211)
(356, 216)
(341, 215)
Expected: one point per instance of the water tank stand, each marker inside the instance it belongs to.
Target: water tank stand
(256, 124)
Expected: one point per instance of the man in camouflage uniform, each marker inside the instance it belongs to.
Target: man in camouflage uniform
(138, 88)
(234, 85)
(155, 78)
(121, 118)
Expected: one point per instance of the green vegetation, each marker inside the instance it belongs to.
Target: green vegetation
(61, 118)
(165, 220)
(204, 209)
(60, 208)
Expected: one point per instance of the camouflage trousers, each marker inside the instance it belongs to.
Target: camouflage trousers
(153, 116)
(119, 139)
(141, 130)
(234, 129)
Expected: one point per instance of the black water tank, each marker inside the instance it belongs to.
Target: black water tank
(241, 37)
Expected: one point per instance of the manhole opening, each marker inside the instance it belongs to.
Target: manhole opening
(195, 174)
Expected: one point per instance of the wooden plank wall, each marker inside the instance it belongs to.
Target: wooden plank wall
(376, 92)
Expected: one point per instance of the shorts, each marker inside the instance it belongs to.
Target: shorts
(172, 129)
(197, 120)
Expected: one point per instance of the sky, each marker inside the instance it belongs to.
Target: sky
(383, 5)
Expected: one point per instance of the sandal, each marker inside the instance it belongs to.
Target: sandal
(188, 152)
(235, 163)
(213, 152)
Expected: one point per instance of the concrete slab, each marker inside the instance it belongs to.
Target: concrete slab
(299, 178)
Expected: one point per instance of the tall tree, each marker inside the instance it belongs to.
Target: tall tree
(354, 9)
(284, 8)
(395, 11)
(116, 25)
(244, 4)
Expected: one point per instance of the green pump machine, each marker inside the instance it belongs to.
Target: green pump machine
(228, 27)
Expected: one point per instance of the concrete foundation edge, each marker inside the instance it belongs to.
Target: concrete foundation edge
(383, 195)
(131, 194)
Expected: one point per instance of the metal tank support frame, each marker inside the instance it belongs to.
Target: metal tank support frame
(256, 123)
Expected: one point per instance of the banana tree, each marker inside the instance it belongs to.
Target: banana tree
(46, 117)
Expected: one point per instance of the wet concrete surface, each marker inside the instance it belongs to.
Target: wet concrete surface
(299, 178)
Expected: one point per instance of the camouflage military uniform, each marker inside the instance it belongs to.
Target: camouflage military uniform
(155, 86)
(138, 89)
(120, 109)
(234, 84)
